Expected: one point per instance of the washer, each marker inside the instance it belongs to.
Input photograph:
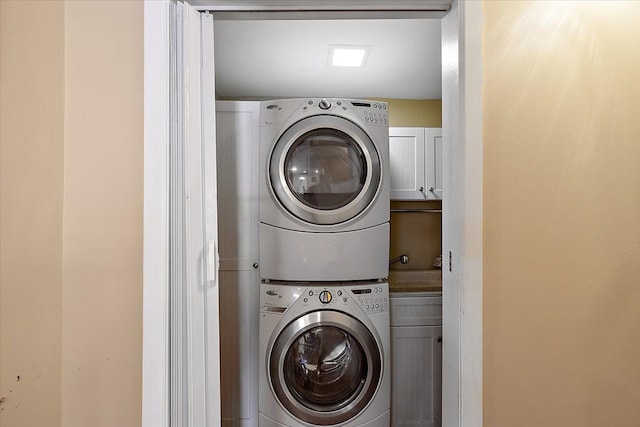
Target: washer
(324, 189)
(324, 355)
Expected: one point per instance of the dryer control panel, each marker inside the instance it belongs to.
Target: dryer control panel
(374, 113)
(371, 112)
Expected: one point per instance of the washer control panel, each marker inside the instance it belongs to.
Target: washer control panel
(372, 299)
(325, 297)
(331, 297)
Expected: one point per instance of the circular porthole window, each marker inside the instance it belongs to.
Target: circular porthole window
(325, 170)
(325, 367)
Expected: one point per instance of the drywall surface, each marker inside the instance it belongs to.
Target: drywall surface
(415, 234)
(31, 177)
(561, 100)
(103, 198)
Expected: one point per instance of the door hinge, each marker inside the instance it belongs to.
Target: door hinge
(450, 261)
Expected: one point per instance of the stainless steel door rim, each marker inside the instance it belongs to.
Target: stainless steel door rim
(356, 400)
(353, 136)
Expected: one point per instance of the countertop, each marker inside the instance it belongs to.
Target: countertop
(415, 281)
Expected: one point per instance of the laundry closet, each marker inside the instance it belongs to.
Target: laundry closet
(384, 259)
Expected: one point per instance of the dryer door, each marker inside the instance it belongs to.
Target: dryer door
(325, 170)
(325, 367)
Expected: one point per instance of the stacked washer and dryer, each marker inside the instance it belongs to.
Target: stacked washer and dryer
(324, 238)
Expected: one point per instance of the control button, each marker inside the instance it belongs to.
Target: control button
(339, 293)
(339, 102)
(377, 305)
(324, 104)
(306, 300)
(384, 106)
(325, 297)
(310, 293)
(367, 307)
(344, 299)
(310, 102)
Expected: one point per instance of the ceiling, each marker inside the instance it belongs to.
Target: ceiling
(290, 58)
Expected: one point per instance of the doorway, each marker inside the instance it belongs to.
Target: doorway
(462, 227)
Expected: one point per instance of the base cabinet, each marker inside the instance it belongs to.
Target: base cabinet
(416, 360)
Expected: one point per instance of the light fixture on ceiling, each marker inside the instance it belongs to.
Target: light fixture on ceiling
(342, 55)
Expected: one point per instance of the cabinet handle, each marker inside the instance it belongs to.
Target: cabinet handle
(439, 339)
(255, 265)
(421, 189)
(432, 189)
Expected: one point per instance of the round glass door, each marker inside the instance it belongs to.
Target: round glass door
(325, 367)
(325, 170)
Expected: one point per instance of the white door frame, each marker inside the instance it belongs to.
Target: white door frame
(462, 219)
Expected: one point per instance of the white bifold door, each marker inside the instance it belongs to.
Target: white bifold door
(181, 384)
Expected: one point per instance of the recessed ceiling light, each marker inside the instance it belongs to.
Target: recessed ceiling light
(341, 55)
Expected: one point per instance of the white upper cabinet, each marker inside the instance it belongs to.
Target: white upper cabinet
(416, 163)
(406, 160)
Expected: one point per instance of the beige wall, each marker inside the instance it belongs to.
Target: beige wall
(31, 171)
(102, 295)
(562, 214)
(71, 213)
(562, 209)
(417, 235)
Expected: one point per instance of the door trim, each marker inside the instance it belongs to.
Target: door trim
(462, 231)
(155, 315)
(462, 215)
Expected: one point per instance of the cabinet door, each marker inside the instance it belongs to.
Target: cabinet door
(239, 311)
(416, 377)
(406, 159)
(237, 151)
(237, 125)
(433, 162)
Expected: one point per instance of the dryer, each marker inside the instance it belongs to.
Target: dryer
(324, 189)
(324, 353)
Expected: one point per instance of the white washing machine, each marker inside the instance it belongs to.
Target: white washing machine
(324, 190)
(324, 355)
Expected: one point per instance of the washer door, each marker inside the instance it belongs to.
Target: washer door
(325, 170)
(325, 367)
